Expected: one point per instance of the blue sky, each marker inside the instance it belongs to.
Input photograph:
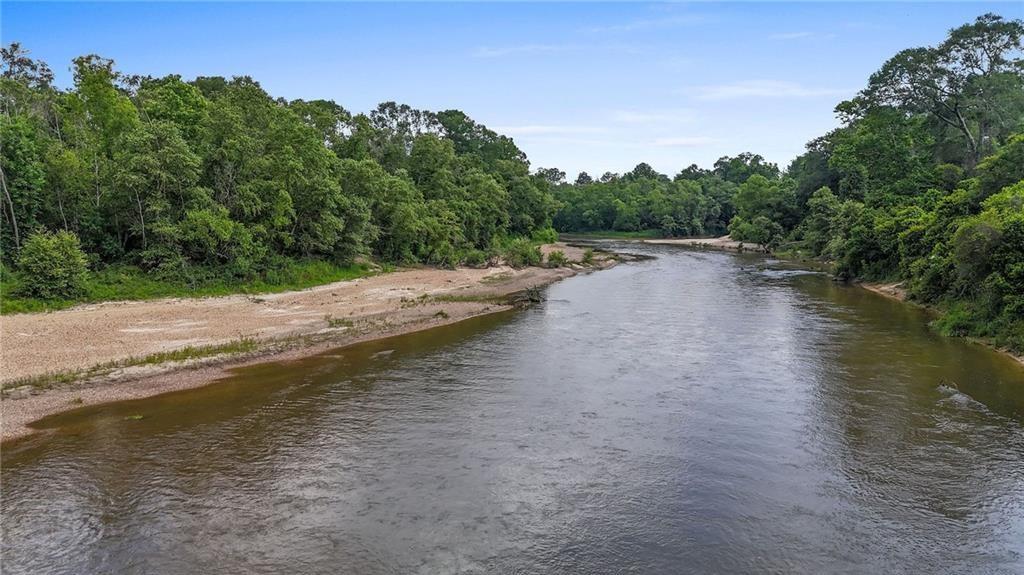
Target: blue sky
(595, 87)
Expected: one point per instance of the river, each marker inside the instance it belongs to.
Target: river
(698, 412)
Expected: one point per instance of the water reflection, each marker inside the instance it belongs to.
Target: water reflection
(699, 412)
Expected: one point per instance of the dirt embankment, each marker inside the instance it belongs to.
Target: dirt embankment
(116, 350)
(893, 290)
(722, 243)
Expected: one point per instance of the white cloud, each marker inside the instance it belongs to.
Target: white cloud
(683, 142)
(665, 116)
(496, 52)
(799, 35)
(791, 35)
(528, 49)
(647, 24)
(574, 141)
(760, 89)
(546, 130)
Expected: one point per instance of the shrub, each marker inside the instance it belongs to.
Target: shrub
(957, 322)
(588, 256)
(53, 266)
(557, 259)
(475, 258)
(760, 230)
(545, 236)
(521, 253)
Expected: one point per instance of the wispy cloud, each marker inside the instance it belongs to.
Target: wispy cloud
(664, 116)
(648, 24)
(856, 25)
(497, 52)
(760, 89)
(799, 35)
(676, 63)
(540, 49)
(547, 130)
(791, 35)
(683, 142)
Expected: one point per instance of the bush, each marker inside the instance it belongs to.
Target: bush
(588, 256)
(475, 258)
(545, 236)
(53, 266)
(760, 230)
(557, 259)
(521, 253)
(958, 321)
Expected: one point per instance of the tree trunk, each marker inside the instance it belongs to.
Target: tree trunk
(60, 205)
(142, 218)
(96, 177)
(975, 150)
(10, 202)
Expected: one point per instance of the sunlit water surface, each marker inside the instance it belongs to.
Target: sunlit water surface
(700, 412)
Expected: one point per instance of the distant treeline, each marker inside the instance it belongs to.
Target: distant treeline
(923, 183)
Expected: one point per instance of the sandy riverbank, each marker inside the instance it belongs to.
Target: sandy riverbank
(116, 335)
(722, 243)
(892, 290)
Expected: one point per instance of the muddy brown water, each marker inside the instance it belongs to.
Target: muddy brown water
(700, 412)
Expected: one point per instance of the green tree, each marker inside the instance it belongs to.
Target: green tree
(959, 83)
(52, 266)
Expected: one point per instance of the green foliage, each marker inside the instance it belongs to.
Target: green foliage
(214, 182)
(1003, 168)
(739, 169)
(521, 252)
(557, 259)
(122, 282)
(545, 236)
(475, 258)
(760, 230)
(645, 200)
(52, 266)
(611, 234)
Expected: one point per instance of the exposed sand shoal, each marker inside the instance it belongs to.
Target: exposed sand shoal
(722, 243)
(572, 253)
(292, 323)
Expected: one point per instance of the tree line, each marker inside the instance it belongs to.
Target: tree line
(214, 178)
(922, 183)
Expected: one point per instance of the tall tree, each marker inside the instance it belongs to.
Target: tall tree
(963, 82)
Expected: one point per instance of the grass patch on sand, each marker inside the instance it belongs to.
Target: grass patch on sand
(236, 347)
(338, 322)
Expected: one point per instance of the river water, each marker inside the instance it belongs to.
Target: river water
(699, 412)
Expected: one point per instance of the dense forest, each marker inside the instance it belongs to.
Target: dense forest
(125, 179)
(923, 183)
(122, 180)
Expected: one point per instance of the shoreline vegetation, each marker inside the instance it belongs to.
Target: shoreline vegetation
(921, 185)
(898, 292)
(130, 283)
(893, 290)
(131, 350)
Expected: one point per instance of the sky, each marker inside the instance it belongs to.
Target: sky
(594, 87)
